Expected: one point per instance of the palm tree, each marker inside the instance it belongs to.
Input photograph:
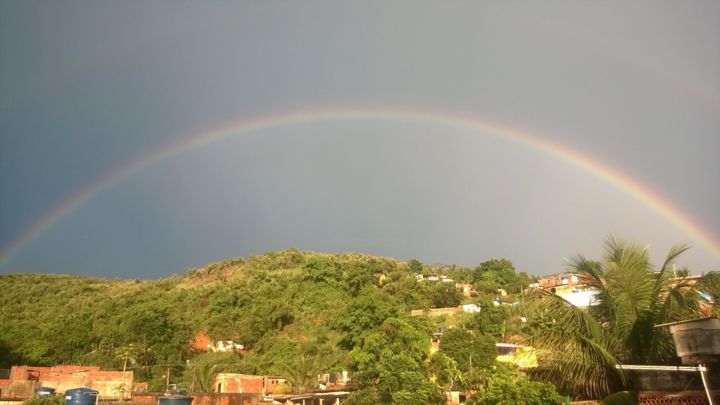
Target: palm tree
(302, 372)
(204, 377)
(582, 347)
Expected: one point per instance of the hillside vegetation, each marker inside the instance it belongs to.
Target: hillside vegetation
(299, 314)
(295, 312)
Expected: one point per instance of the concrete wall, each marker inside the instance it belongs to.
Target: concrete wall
(437, 311)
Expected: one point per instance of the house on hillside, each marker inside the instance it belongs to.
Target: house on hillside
(573, 287)
(232, 383)
(467, 289)
(335, 381)
(519, 355)
(203, 343)
(225, 346)
(472, 308)
(568, 279)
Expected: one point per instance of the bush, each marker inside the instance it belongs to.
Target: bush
(45, 400)
(506, 386)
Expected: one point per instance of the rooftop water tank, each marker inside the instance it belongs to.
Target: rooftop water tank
(696, 341)
(81, 396)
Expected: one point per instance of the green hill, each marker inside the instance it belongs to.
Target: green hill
(272, 304)
(297, 314)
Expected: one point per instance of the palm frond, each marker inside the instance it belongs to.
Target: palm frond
(591, 271)
(593, 274)
(710, 285)
(579, 364)
(577, 348)
(301, 373)
(665, 278)
(612, 248)
(583, 346)
(680, 303)
(674, 252)
(630, 285)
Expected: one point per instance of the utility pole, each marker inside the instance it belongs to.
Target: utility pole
(192, 385)
(122, 388)
(167, 381)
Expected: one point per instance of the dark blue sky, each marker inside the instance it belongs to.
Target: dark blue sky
(87, 87)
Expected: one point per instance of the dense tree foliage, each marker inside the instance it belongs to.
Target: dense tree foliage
(469, 350)
(504, 385)
(500, 273)
(416, 266)
(299, 314)
(288, 308)
(389, 364)
(491, 320)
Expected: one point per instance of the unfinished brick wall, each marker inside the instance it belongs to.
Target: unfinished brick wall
(207, 399)
(20, 385)
(19, 373)
(20, 389)
(144, 399)
(227, 399)
(24, 379)
(238, 383)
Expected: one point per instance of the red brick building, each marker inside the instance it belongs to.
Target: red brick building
(245, 383)
(24, 379)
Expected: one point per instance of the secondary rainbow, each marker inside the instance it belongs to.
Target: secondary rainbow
(297, 117)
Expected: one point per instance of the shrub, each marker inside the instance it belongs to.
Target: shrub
(506, 386)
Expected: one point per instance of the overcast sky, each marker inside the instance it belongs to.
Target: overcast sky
(86, 87)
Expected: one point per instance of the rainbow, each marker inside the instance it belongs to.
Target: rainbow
(298, 117)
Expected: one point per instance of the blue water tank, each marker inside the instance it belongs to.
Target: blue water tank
(174, 400)
(81, 396)
(44, 391)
